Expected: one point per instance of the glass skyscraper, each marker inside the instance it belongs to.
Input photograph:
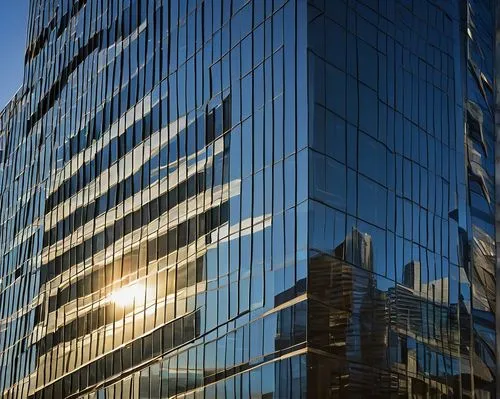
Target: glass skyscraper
(250, 199)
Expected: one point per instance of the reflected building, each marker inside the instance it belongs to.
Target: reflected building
(358, 249)
(266, 199)
(401, 150)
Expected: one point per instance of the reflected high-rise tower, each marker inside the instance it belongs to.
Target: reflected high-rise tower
(233, 198)
(358, 249)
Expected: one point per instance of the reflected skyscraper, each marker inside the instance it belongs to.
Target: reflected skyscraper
(358, 249)
(265, 199)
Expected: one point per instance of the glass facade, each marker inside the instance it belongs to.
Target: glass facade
(234, 198)
(402, 206)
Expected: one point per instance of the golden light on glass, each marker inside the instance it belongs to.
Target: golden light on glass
(126, 296)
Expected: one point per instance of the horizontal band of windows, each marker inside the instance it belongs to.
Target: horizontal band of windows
(106, 276)
(118, 194)
(108, 312)
(286, 344)
(19, 260)
(171, 336)
(159, 155)
(107, 118)
(115, 150)
(149, 195)
(96, 149)
(169, 174)
(119, 172)
(37, 44)
(100, 39)
(137, 237)
(54, 92)
(216, 122)
(181, 235)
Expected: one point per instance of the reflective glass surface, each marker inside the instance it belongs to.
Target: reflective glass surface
(154, 231)
(401, 214)
(265, 199)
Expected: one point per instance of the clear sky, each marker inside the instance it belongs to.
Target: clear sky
(13, 25)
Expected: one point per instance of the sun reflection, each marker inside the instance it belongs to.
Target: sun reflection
(126, 296)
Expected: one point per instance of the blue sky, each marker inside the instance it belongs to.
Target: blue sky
(13, 24)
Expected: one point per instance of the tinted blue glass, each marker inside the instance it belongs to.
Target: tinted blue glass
(250, 198)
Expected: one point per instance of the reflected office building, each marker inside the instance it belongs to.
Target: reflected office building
(250, 199)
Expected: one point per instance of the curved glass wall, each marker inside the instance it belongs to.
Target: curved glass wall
(233, 198)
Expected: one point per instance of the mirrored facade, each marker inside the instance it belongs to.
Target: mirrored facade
(401, 213)
(265, 199)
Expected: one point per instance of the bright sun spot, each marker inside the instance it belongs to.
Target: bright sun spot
(127, 295)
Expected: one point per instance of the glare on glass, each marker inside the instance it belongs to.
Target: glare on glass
(126, 296)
